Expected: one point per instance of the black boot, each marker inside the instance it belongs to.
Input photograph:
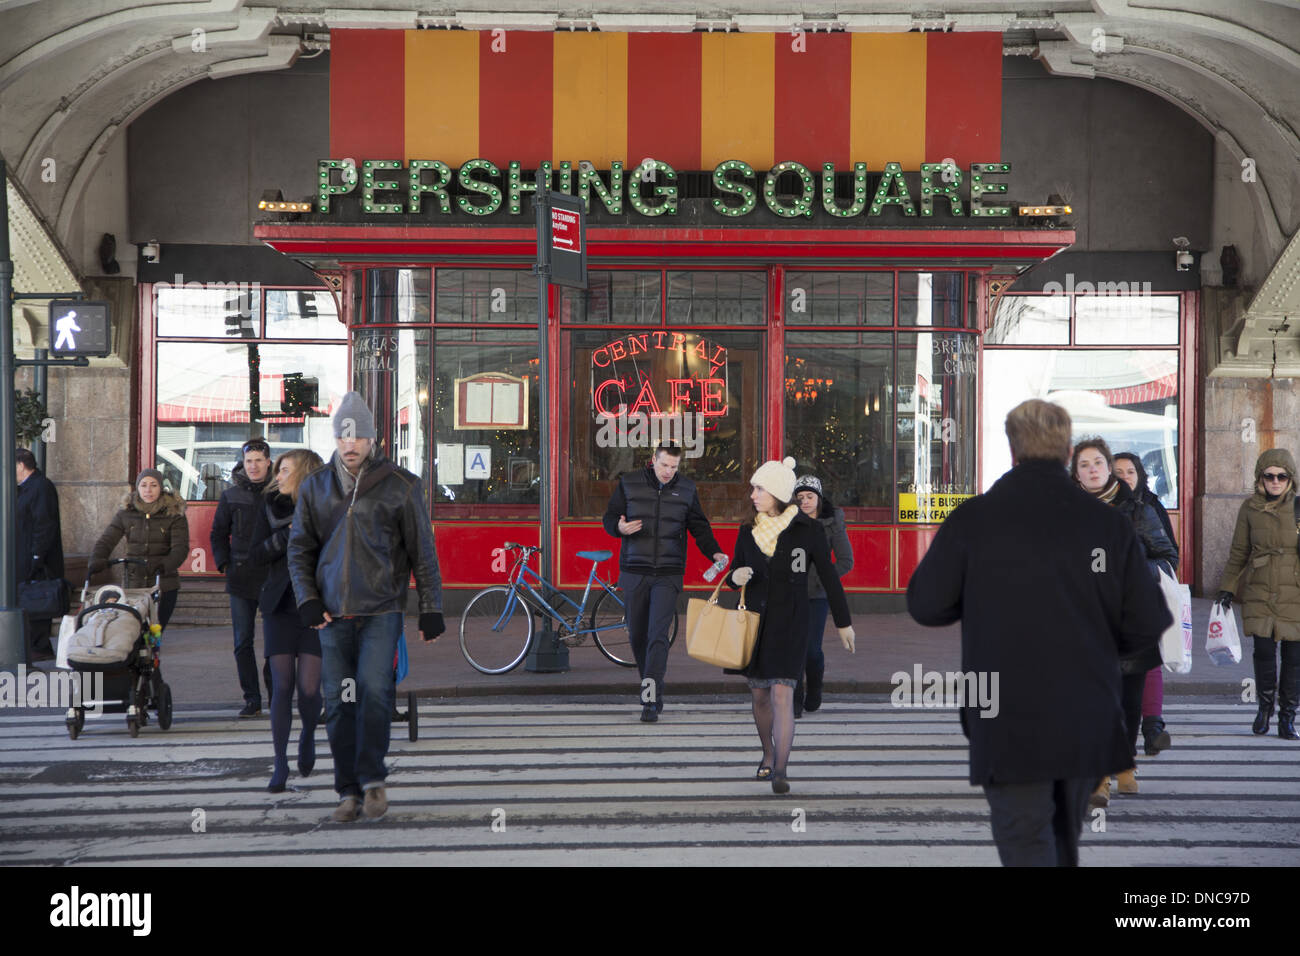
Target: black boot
(813, 698)
(1154, 735)
(1288, 691)
(1265, 685)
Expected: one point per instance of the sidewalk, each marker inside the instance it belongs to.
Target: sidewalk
(198, 664)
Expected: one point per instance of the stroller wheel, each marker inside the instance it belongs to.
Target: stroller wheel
(75, 723)
(412, 718)
(165, 707)
(133, 726)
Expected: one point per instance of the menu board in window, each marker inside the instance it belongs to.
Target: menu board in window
(491, 400)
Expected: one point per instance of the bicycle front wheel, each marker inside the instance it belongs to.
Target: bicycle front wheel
(496, 630)
(608, 612)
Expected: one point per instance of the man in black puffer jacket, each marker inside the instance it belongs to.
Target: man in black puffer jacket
(232, 531)
(651, 511)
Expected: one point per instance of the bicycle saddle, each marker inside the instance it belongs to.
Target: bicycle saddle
(595, 555)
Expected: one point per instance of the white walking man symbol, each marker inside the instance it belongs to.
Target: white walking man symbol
(65, 326)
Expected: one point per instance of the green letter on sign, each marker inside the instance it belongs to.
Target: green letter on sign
(438, 187)
(589, 181)
(859, 202)
(979, 188)
(799, 207)
(479, 186)
(348, 175)
(659, 171)
(370, 185)
(944, 185)
(893, 177)
(736, 186)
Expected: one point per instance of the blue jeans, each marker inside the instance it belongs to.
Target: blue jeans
(359, 717)
(243, 616)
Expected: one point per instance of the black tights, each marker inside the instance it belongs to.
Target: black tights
(309, 698)
(774, 718)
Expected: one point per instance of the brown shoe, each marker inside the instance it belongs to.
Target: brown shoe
(348, 810)
(1101, 796)
(376, 803)
(1128, 781)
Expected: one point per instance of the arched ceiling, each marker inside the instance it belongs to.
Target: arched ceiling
(74, 73)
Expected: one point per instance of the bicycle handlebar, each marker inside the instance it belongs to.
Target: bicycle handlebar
(511, 546)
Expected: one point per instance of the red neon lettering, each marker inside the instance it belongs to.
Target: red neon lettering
(659, 339)
(595, 361)
(679, 392)
(700, 349)
(617, 351)
(645, 397)
(599, 403)
(632, 341)
(719, 359)
(679, 342)
(708, 396)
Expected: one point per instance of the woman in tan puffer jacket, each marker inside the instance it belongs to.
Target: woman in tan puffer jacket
(1264, 569)
(153, 523)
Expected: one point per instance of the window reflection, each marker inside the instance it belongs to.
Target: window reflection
(390, 368)
(212, 310)
(930, 298)
(1128, 397)
(839, 397)
(622, 297)
(839, 298)
(936, 422)
(486, 295)
(302, 314)
(1030, 320)
(214, 396)
(397, 295)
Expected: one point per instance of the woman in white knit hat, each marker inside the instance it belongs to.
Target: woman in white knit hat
(774, 553)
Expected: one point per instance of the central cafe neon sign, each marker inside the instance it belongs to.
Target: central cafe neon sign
(706, 394)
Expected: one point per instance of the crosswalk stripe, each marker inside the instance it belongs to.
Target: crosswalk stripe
(573, 782)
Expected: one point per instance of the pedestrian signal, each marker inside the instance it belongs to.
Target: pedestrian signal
(80, 328)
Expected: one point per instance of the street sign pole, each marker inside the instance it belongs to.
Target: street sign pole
(547, 655)
(12, 649)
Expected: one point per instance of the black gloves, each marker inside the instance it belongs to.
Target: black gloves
(1224, 598)
(312, 613)
(431, 625)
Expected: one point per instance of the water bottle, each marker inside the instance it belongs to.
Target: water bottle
(716, 568)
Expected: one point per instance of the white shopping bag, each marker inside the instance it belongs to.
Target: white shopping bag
(67, 627)
(1176, 641)
(1222, 642)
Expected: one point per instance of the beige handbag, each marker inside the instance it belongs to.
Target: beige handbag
(719, 635)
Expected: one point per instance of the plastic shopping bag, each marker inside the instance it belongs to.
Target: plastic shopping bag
(1176, 641)
(1222, 642)
(401, 663)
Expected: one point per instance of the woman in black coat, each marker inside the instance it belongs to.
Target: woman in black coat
(1128, 469)
(286, 641)
(1091, 467)
(774, 553)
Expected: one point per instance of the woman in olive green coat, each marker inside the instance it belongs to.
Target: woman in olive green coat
(153, 523)
(1264, 569)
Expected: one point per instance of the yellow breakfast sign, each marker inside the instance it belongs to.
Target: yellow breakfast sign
(927, 509)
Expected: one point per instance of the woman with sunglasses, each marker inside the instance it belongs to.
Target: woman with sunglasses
(1264, 568)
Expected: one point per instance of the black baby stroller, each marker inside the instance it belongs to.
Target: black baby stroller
(117, 635)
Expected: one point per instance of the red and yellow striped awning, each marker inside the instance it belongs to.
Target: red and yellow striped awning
(691, 100)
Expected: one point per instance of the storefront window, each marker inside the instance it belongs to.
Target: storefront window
(1126, 320)
(213, 396)
(839, 399)
(390, 368)
(210, 310)
(716, 298)
(930, 298)
(302, 314)
(1128, 397)
(485, 422)
(486, 295)
(935, 418)
(633, 389)
(620, 297)
(1030, 320)
(396, 295)
(839, 298)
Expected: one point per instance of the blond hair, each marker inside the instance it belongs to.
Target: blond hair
(303, 461)
(1039, 430)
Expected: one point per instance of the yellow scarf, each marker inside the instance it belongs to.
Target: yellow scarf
(767, 529)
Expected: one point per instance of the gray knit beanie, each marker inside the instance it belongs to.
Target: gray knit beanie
(353, 418)
(153, 473)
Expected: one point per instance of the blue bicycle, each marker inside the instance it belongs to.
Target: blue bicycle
(496, 630)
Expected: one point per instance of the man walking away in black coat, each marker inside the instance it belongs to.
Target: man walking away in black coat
(1051, 588)
(651, 510)
(39, 541)
(232, 533)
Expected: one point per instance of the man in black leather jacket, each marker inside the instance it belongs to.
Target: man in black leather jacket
(651, 511)
(359, 531)
(232, 530)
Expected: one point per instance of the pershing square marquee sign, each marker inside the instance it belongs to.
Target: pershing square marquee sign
(789, 189)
